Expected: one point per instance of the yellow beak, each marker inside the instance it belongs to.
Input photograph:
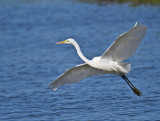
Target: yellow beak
(62, 42)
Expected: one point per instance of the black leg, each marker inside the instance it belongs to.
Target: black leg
(134, 89)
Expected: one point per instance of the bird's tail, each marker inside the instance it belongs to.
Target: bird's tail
(126, 67)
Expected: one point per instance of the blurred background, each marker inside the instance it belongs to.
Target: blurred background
(30, 60)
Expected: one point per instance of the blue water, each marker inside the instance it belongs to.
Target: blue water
(30, 60)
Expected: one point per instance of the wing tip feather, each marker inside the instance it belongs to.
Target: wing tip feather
(139, 25)
(51, 87)
(55, 89)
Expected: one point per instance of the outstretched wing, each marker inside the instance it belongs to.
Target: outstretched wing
(126, 44)
(75, 75)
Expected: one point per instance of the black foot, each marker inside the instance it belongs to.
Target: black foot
(137, 92)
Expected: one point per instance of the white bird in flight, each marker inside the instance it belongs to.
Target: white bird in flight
(109, 63)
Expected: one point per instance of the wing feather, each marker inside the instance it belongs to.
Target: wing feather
(126, 44)
(75, 75)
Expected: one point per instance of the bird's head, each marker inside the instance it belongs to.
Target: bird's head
(68, 41)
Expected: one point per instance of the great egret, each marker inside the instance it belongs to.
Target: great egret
(109, 63)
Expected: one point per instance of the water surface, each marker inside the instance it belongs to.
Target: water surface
(30, 61)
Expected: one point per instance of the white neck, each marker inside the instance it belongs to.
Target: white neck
(80, 53)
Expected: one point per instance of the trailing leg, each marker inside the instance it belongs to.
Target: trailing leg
(134, 89)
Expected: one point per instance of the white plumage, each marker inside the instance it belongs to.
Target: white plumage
(110, 62)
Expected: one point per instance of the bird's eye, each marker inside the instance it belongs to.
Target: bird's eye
(67, 40)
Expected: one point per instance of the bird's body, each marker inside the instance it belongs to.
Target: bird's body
(111, 62)
(103, 64)
(108, 65)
